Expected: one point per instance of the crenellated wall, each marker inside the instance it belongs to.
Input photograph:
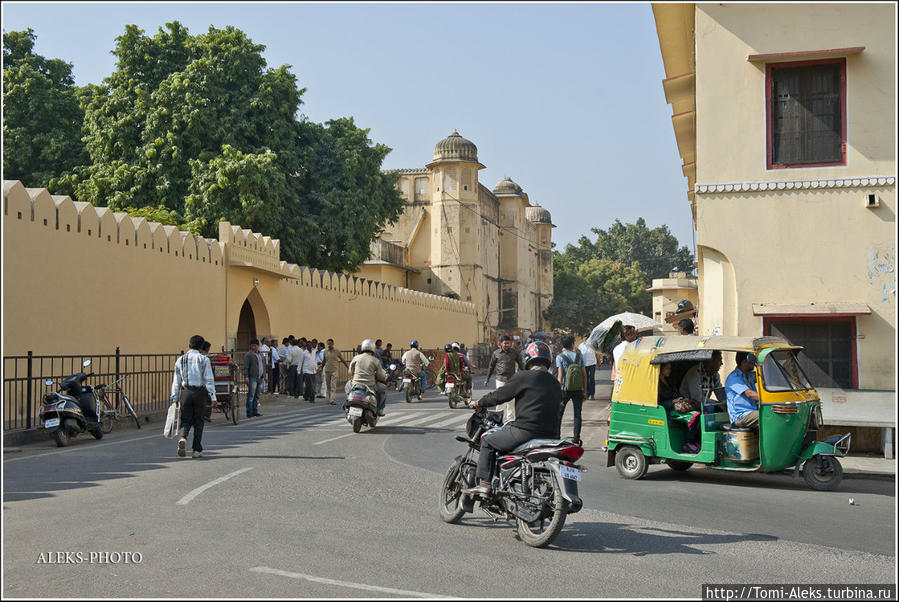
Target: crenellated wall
(84, 279)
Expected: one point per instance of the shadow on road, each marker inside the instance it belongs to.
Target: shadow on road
(617, 538)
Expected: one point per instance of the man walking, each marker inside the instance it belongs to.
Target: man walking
(331, 357)
(319, 370)
(308, 372)
(253, 371)
(281, 379)
(192, 385)
(589, 356)
(572, 376)
(295, 356)
(505, 361)
(628, 335)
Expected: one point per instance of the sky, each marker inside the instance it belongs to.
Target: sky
(564, 98)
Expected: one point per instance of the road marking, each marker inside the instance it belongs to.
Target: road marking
(362, 586)
(187, 498)
(427, 418)
(333, 439)
(448, 421)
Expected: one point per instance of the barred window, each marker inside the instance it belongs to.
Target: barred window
(828, 348)
(807, 103)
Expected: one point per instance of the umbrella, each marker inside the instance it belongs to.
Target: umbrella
(603, 336)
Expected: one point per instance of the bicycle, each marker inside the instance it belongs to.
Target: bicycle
(105, 411)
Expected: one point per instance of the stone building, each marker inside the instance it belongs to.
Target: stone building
(458, 238)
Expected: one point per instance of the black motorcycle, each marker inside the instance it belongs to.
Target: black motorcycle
(535, 484)
(72, 410)
(361, 407)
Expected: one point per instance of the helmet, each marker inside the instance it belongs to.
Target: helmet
(455, 345)
(448, 348)
(537, 352)
(368, 345)
(684, 305)
(414, 343)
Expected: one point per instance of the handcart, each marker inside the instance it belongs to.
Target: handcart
(227, 394)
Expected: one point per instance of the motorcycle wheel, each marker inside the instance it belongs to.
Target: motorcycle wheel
(357, 424)
(409, 394)
(97, 432)
(451, 494)
(542, 532)
(62, 438)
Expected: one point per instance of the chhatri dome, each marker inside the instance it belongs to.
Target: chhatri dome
(507, 186)
(538, 214)
(455, 148)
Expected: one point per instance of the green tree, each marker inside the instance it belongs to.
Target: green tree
(656, 250)
(42, 116)
(588, 292)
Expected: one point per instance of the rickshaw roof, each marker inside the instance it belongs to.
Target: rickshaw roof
(695, 347)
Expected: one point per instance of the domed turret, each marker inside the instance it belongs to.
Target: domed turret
(538, 214)
(507, 186)
(455, 148)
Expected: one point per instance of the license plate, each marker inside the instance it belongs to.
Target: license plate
(450, 386)
(407, 380)
(572, 474)
(51, 423)
(355, 412)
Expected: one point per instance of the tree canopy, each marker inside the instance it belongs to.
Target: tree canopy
(195, 130)
(596, 279)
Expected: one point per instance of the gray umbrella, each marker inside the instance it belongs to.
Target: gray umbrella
(604, 336)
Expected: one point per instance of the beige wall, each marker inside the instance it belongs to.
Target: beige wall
(107, 280)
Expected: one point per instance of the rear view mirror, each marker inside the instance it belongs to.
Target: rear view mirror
(430, 357)
(86, 363)
(48, 382)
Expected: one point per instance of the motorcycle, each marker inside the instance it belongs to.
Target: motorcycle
(361, 407)
(392, 375)
(66, 413)
(534, 485)
(456, 389)
(412, 384)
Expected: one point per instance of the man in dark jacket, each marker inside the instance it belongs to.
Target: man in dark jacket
(253, 371)
(538, 401)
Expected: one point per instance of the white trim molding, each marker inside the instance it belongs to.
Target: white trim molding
(866, 182)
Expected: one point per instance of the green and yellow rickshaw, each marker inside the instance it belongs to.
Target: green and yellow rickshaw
(642, 432)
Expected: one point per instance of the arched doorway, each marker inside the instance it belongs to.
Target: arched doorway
(246, 326)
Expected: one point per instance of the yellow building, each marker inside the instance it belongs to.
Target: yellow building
(458, 238)
(784, 116)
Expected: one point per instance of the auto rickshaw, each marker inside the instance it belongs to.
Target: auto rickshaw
(641, 432)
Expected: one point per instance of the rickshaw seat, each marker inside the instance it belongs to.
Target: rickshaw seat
(737, 429)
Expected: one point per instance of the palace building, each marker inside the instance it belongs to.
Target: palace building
(458, 238)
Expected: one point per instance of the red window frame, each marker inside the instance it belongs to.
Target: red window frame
(769, 85)
(768, 321)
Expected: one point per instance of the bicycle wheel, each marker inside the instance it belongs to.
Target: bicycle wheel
(130, 410)
(432, 378)
(106, 415)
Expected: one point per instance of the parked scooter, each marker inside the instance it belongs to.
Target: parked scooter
(361, 407)
(72, 410)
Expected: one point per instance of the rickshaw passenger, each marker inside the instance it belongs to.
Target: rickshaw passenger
(668, 397)
(742, 398)
(704, 377)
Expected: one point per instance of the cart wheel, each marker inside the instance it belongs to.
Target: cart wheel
(234, 414)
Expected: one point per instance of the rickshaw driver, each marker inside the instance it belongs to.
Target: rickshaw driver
(704, 377)
(742, 398)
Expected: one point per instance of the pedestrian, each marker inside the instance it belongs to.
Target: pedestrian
(379, 351)
(319, 370)
(205, 351)
(685, 327)
(273, 366)
(295, 355)
(308, 372)
(266, 352)
(331, 357)
(253, 371)
(589, 355)
(506, 362)
(192, 385)
(572, 377)
(281, 378)
(628, 335)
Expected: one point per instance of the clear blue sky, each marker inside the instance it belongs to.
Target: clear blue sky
(566, 99)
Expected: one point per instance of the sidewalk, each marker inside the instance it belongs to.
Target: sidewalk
(595, 429)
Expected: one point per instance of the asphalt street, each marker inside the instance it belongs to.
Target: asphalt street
(294, 504)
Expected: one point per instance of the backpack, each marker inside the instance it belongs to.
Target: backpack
(574, 378)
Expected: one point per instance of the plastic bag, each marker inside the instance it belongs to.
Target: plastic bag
(171, 421)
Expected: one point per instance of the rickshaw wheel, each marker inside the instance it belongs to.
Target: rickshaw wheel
(678, 465)
(826, 479)
(630, 462)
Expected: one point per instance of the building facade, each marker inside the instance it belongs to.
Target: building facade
(784, 116)
(458, 238)
(667, 293)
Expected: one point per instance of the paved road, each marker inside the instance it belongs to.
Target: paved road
(295, 505)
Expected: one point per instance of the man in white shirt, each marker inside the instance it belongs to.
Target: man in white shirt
(589, 356)
(266, 352)
(281, 378)
(192, 384)
(295, 356)
(628, 335)
(307, 369)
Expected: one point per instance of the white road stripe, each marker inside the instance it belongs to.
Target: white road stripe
(333, 439)
(187, 498)
(362, 586)
(396, 419)
(431, 416)
(461, 418)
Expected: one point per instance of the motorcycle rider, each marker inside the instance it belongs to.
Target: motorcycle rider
(538, 400)
(367, 370)
(452, 364)
(415, 361)
(466, 365)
